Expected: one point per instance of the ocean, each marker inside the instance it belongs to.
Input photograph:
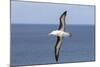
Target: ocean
(31, 44)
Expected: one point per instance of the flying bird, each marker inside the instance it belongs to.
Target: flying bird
(60, 34)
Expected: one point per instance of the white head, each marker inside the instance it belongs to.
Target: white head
(54, 33)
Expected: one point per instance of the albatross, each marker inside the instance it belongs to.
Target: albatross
(60, 34)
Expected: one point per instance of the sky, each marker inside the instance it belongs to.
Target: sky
(47, 13)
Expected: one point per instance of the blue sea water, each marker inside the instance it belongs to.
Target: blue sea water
(31, 44)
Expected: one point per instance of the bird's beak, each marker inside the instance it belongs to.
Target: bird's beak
(49, 34)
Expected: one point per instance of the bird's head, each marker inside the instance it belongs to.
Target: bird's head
(53, 33)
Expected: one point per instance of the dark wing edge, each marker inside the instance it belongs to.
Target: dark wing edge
(57, 47)
(62, 21)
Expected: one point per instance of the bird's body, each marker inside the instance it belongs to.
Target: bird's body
(60, 34)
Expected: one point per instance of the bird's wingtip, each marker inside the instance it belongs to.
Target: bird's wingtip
(65, 13)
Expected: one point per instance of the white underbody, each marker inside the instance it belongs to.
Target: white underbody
(60, 33)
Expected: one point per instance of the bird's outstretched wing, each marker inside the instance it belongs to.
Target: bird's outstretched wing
(62, 21)
(57, 47)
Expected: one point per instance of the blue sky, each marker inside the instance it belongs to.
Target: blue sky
(46, 13)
